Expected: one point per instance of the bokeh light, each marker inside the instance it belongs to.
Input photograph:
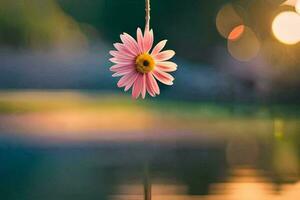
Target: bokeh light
(228, 20)
(290, 3)
(236, 33)
(246, 47)
(286, 27)
(298, 6)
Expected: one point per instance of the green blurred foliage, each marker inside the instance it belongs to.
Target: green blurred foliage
(188, 25)
(34, 23)
(183, 23)
(39, 23)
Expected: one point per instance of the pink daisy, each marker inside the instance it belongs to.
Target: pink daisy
(138, 68)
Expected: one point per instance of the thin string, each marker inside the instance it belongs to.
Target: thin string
(147, 183)
(147, 26)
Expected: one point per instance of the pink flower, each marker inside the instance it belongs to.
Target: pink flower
(138, 68)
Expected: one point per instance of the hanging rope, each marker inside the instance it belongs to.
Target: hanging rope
(147, 183)
(147, 26)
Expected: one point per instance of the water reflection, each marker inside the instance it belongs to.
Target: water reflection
(96, 148)
(242, 183)
(115, 171)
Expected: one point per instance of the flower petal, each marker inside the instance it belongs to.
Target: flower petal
(117, 67)
(123, 49)
(144, 87)
(163, 77)
(121, 55)
(121, 61)
(124, 58)
(125, 79)
(148, 40)
(164, 55)
(150, 91)
(137, 86)
(132, 41)
(159, 47)
(166, 66)
(122, 72)
(129, 44)
(153, 83)
(149, 85)
(130, 81)
(140, 40)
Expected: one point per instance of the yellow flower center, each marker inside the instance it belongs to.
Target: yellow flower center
(144, 63)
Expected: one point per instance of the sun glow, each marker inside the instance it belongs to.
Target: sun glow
(297, 6)
(286, 27)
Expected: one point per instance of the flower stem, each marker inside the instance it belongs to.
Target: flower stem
(147, 27)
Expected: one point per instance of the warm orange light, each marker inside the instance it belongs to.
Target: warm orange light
(236, 32)
(245, 46)
(290, 3)
(286, 27)
(227, 19)
(298, 6)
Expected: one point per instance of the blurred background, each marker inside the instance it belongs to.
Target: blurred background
(229, 128)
